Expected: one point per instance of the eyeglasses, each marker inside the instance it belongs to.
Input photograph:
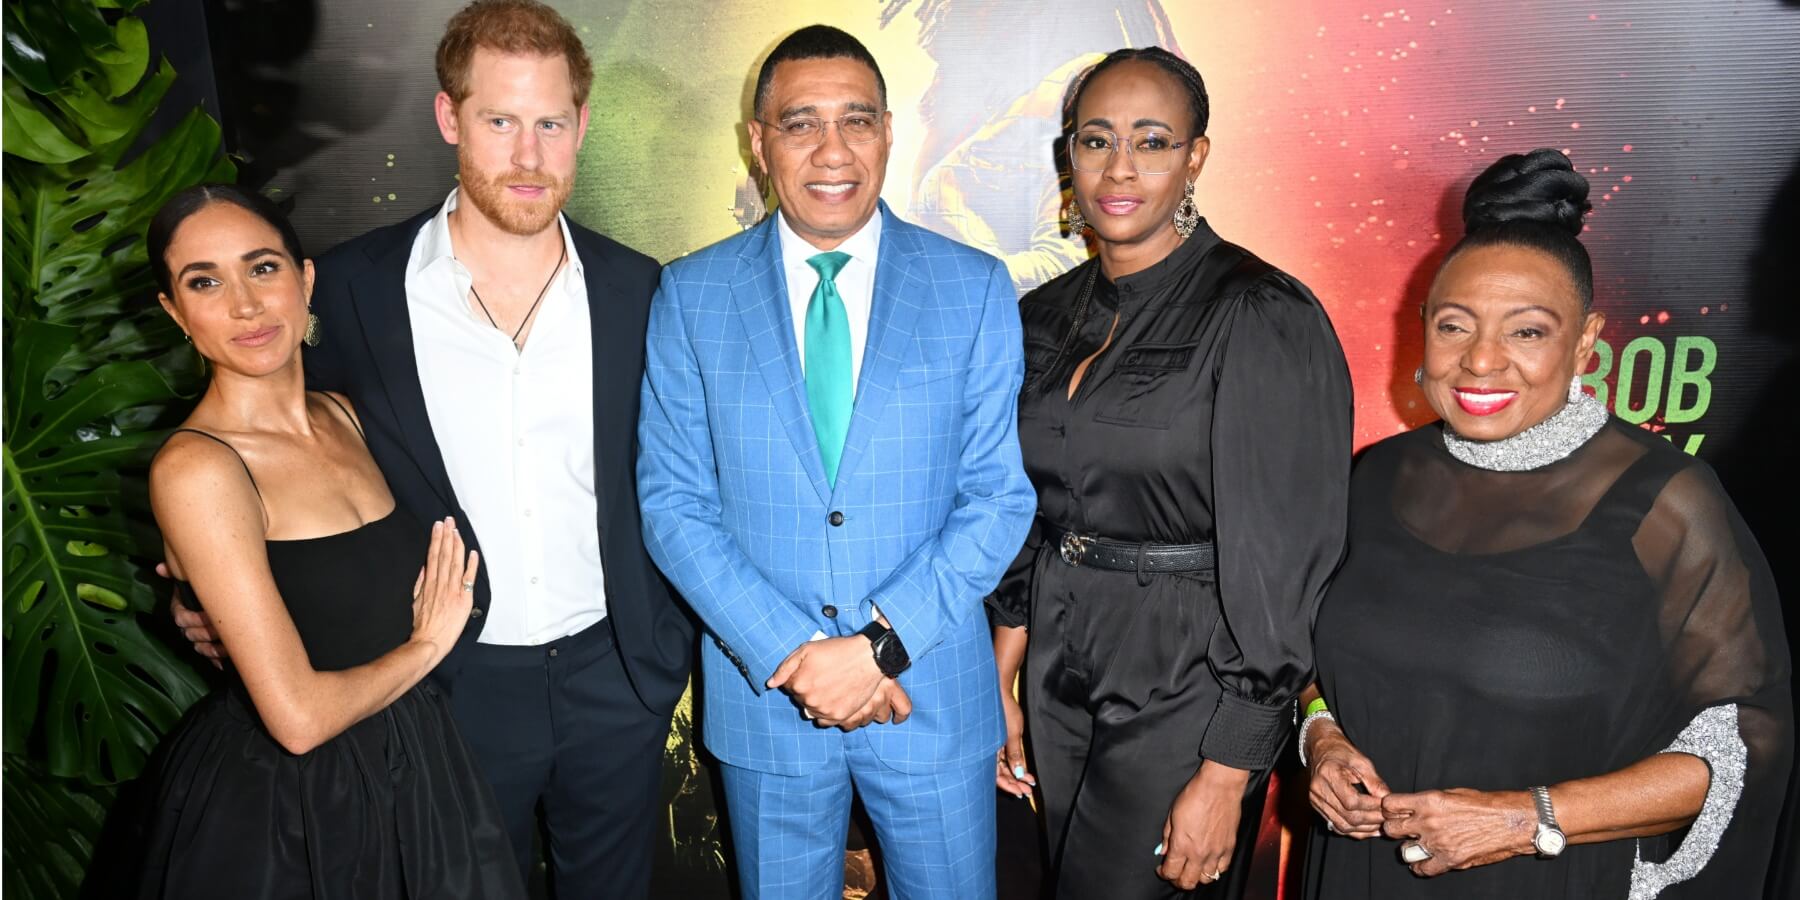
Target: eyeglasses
(1152, 152)
(800, 132)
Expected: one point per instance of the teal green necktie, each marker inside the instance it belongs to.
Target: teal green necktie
(828, 386)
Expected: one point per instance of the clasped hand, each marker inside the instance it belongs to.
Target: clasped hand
(1461, 828)
(836, 683)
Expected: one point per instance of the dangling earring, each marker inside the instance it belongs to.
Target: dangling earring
(1187, 216)
(311, 337)
(1419, 376)
(1575, 390)
(1077, 223)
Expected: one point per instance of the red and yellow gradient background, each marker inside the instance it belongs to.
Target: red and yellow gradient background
(1343, 135)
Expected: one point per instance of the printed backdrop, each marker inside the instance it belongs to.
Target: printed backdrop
(1343, 135)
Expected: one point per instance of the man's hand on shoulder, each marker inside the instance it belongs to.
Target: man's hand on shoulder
(195, 625)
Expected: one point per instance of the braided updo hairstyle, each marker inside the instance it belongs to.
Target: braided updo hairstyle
(1535, 200)
(1183, 72)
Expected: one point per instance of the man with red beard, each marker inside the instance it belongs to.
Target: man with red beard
(494, 350)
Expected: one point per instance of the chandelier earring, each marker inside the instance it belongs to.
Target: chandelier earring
(1187, 216)
(1575, 390)
(1077, 222)
(311, 337)
(1419, 376)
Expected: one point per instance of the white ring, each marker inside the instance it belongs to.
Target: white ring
(1413, 852)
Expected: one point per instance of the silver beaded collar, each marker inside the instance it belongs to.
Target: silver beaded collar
(1540, 445)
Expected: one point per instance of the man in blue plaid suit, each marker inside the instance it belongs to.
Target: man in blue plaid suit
(830, 474)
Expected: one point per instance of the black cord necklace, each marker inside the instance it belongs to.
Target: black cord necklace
(534, 304)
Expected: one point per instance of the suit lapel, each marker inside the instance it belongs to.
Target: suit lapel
(894, 311)
(759, 292)
(379, 295)
(606, 343)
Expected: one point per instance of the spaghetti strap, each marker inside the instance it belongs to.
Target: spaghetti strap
(234, 452)
(346, 410)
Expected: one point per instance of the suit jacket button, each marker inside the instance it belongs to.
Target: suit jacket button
(829, 611)
(475, 612)
(836, 518)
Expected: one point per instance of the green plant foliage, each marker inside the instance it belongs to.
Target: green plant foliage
(51, 826)
(82, 678)
(92, 369)
(76, 85)
(74, 231)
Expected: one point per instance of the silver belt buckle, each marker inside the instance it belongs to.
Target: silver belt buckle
(1073, 548)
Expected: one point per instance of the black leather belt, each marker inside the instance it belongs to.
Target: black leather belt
(1097, 552)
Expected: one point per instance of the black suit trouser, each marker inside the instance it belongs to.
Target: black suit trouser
(558, 725)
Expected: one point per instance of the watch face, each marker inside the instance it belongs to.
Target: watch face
(1550, 842)
(890, 656)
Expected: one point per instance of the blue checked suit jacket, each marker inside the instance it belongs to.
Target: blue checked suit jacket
(933, 496)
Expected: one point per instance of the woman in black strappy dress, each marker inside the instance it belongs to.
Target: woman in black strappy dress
(326, 767)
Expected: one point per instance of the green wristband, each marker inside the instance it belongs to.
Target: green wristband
(1318, 705)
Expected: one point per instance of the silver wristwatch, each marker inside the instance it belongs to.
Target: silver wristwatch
(1549, 839)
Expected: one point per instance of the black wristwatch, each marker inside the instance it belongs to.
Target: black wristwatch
(890, 654)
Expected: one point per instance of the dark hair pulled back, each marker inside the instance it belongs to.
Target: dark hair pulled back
(189, 201)
(1184, 73)
(1535, 200)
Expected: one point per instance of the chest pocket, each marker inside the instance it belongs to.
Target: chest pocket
(926, 362)
(1039, 356)
(1145, 388)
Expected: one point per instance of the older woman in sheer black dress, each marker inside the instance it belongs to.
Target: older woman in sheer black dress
(1553, 659)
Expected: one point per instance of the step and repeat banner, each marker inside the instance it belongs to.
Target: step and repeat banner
(1343, 136)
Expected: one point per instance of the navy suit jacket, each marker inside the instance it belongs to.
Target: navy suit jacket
(366, 352)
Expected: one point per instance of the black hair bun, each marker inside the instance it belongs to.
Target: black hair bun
(1538, 187)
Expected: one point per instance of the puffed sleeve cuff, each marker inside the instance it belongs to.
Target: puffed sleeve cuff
(1714, 737)
(1245, 734)
(1002, 614)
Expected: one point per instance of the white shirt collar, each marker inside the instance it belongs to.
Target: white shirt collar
(435, 247)
(862, 246)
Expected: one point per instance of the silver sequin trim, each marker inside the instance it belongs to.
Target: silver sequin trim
(1713, 736)
(1540, 445)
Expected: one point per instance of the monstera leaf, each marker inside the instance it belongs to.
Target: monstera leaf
(74, 233)
(93, 370)
(63, 818)
(83, 681)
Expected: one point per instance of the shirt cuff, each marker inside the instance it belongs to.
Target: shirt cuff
(1004, 616)
(1245, 734)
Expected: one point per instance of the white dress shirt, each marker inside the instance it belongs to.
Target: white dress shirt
(855, 284)
(516, 429)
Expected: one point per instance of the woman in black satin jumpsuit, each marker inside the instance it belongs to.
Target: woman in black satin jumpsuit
(1186, 419)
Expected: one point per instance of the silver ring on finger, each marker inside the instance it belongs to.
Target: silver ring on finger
(468, 586)
(1413, 852)
(1212, 876)
(1332, 827)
